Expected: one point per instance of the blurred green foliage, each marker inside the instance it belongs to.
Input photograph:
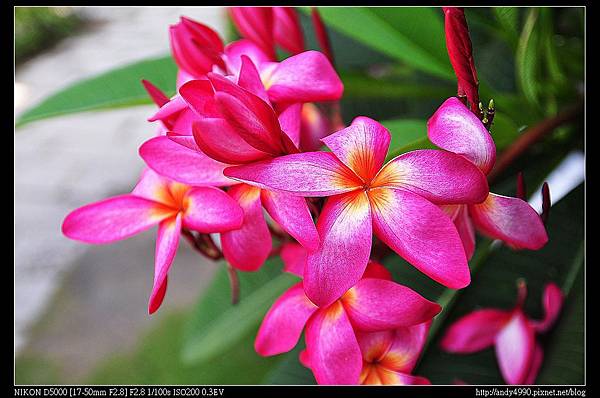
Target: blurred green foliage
(37, 28)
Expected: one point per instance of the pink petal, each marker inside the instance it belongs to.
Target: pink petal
(389, 377)
(195, 47)
(304, 174)
(455, 128)
(406, 348)
(249, 79)
(182, 164)
(422, 234)
(199, 96)
(362, 147)
(256, 24)
(247, 248)
(465, 229)
(552, 301)
(536, 364)
(289, 80)
(283, 324)
(288, 31)
(114, 219)
(304, 358)
(377, 304)
(515, 345)
(293, 256)
(166, 248)
(345, 231)
(474, 331)
(314, 126)
(290, 120)
(293, 215)
(154, 187)
(158, 97)
(169, 109)
(253, 118)
(509, 219)
(183, 122)
(333, 349)
(235, 50)
(374, 345)
(209, 209)
(186, 140)
(376, 270)
(438, 176)
(216, 138)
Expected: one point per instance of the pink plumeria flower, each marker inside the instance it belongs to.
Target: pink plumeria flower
(511, 332)
(389, 356)
(375, 303)
(393, 201)
(455, 128)
(268, 26)
(155, 201)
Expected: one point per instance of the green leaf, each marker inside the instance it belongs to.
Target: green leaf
(290, 370)
(359, 85)
(217, 324)
(407, 135)
(414, 36)
(116, 88)
(508, 19)
(527, 58)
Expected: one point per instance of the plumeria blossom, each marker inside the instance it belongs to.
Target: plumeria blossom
(454, 128)
(395, 201)
(268, 26)
(332, 332)
(155, 201)
(511, 332)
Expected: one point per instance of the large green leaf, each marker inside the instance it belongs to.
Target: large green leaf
(116, 88)
(414, 36)
(217, 324)
(528, 57)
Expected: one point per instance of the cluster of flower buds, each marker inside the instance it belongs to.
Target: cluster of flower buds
(243, 137)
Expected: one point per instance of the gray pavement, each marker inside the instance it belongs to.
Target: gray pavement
(91, 299)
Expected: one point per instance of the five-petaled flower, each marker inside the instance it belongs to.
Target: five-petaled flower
(155, 200)
(511, 332)
(375, 303)
(454, 128)
(395, 201)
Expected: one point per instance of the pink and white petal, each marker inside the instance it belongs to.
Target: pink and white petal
(406, 348)
(290, 120)
(292, 214)
(210, 210)
(509, 219)
(475, 331)
(439, 176)
(390, 377)
(332, 346)
(235, 50)
(199, 96)
(288, 81)
(314, 127)
(377, 271)
(362, 146)
(154, 187)
(345, 246)
(515, 346)
(166, 248)
(247, 248)
(552, 301)
(374, 345)
(302, 174)
(186, 140)
(422, 234)
(114, 219)
(282, 325)
(455, 128)
(249, 79)
(219, 140)
(294, 257)
(536, 364)
(378, 304)
(465, 229)
(182, 164)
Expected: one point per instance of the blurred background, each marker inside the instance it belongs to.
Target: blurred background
(81, 310)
